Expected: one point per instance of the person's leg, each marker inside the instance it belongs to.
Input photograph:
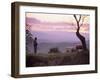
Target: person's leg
(34, 50)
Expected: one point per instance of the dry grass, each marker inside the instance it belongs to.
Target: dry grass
(55, 59)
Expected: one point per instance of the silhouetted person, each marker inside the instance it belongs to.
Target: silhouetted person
(35, 45)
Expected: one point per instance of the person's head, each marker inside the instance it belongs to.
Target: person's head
(35, 38)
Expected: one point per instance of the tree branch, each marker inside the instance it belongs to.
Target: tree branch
(79, 18)
(82, 21)
(75, 18)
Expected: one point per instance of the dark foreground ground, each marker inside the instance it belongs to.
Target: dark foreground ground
(55, 59)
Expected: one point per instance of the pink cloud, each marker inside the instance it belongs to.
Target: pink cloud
(39, 25)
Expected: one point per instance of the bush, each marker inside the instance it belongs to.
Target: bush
(33, 60)
(54, 50)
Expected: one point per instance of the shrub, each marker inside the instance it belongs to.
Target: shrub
(54, 50)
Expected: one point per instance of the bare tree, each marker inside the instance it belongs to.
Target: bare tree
(79, 24)
(29, 39)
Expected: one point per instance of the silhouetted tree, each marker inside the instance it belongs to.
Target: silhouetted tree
(29, 39)
(81, 38)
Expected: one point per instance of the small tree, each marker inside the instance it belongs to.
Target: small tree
(29, 39)
(79, 24)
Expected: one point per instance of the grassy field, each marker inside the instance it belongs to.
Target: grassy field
(55, 59)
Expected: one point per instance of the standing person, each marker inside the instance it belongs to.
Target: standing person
(35, 45)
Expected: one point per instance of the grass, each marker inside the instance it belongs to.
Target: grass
(55, 59)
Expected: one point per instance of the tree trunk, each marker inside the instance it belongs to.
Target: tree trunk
(82, 38)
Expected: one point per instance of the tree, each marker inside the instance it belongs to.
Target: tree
(79, 24)
(29, 39)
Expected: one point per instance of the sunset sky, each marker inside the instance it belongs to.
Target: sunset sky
(56, 27)
(55, 22)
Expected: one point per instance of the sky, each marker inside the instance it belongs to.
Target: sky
(56, 27)
(55, 22)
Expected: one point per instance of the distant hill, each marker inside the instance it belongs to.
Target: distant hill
(48, 40)
(57, 36)
(44, 47)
